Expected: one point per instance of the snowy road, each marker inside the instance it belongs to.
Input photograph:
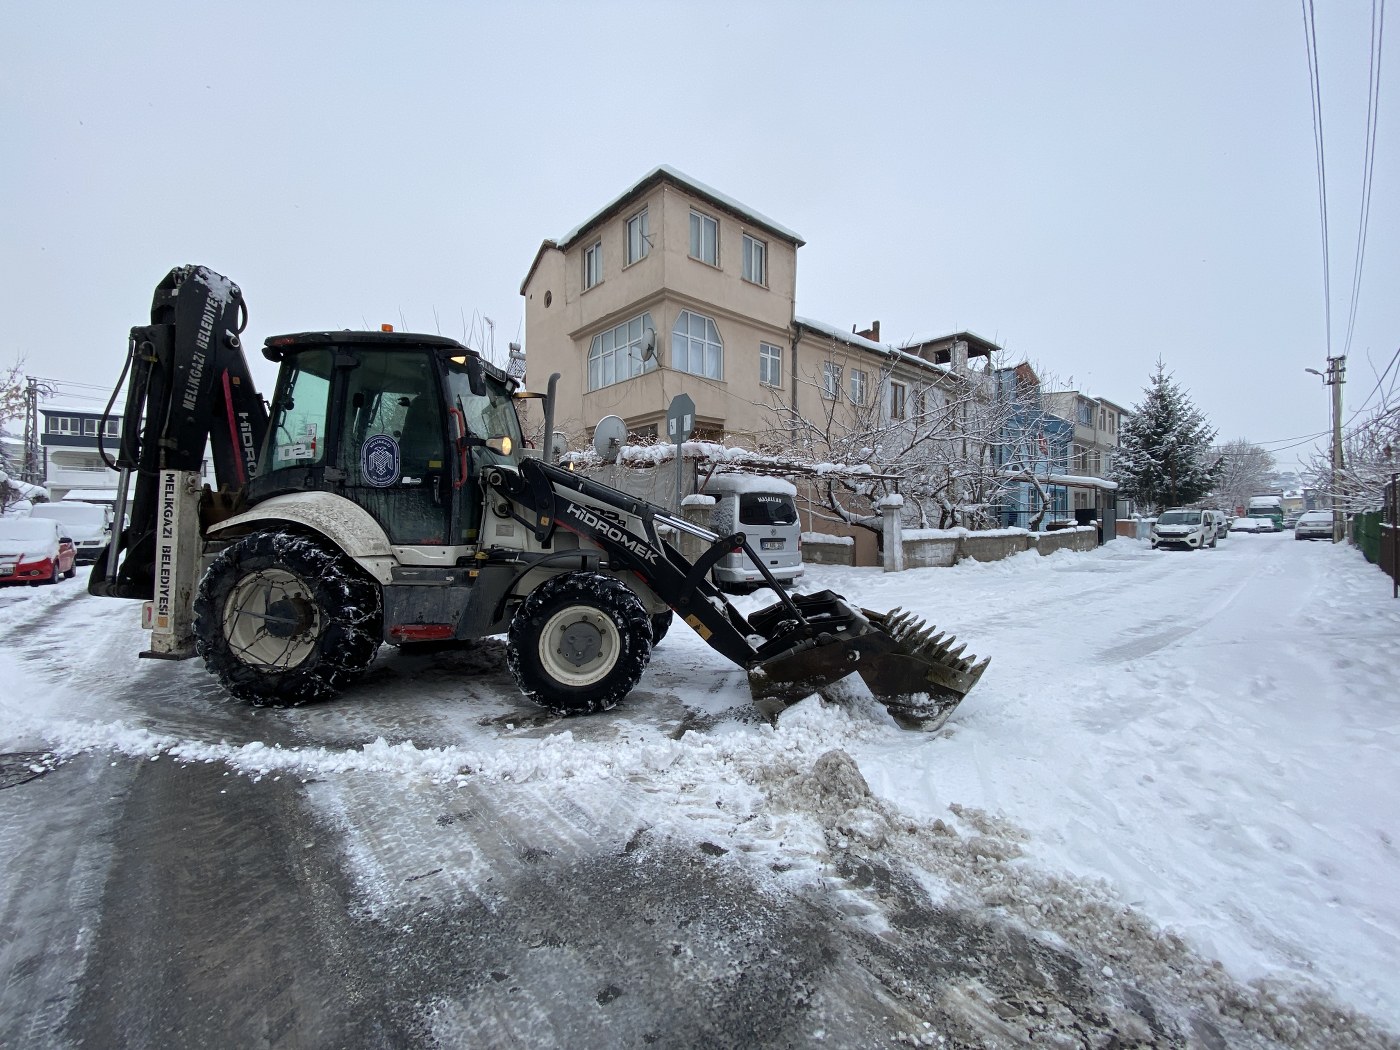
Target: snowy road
(1167, 816)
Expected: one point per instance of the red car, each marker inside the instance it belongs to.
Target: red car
(35, 551)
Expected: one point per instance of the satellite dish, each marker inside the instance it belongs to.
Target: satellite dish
(558, 445)
(649, 344)
(608, 437)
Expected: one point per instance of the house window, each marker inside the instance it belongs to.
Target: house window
(696, 346)
(90, 428)
(831, 380)
(1086, 414)
(592, 265)
(920, 403)
(755, 260)
(638, 237)
(112, 428)
(770, 364)
(64, 425)
(704, 238)
(616, 355)
(1103, 420)
(898, 392)
(857, 387)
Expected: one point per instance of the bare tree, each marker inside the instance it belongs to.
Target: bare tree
(1245, 471)
(950, 442)
(1370, 450)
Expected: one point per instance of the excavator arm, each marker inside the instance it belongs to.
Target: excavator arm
(802, 644)
(188, 388)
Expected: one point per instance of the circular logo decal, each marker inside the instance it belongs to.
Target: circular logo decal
(379, 461)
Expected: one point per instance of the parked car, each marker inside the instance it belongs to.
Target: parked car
(765, 509)
(35, 551)
(90, 525)
(1220, 522)
(1248, 524)
(1188, 529)
(1314, 525)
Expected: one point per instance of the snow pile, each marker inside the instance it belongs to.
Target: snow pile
(1173, 759)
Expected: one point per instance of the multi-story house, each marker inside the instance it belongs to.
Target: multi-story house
(71, 458)
(1098, 423)
(674, 288)
(1034, 451)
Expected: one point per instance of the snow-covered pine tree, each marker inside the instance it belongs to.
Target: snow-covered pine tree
(1165, 458)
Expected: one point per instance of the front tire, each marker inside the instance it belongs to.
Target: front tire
(660, 624)
(281, 619)
(579, 643)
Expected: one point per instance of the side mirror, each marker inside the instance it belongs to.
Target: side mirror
(476, 377)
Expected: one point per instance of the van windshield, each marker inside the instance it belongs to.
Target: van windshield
(766, 508)
(1180, 517)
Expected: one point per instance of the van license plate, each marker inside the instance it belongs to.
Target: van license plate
(771, 545)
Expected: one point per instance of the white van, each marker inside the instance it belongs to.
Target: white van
(89, 525)
(1188, 529)
(765, 510)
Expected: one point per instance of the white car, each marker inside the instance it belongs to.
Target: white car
(1188, 529)
(1253, 525)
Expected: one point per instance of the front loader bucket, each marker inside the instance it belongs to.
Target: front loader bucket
(909, 667)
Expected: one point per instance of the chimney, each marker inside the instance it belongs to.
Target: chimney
(872, 333)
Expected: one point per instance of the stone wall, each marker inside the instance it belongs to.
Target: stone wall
(821, 549)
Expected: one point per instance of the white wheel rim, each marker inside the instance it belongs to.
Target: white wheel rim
(579, 646)
(270, 621)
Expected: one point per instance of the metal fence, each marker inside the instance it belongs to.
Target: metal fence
(1389, 552)
(1377, 534)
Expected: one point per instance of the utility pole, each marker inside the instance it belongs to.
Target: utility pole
(1335, 377)
(32, 470)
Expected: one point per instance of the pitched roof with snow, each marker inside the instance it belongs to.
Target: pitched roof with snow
(657, 175)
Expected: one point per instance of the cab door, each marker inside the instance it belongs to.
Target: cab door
(392, 453)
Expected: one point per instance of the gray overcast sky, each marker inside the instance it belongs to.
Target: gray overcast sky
(1093, 185)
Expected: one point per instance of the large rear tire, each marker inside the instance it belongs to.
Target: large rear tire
(579, 643)
(281, 619)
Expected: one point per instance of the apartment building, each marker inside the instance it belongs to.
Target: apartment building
(1098, 423)
(1034, 450)
(69, 438)
(675, 287)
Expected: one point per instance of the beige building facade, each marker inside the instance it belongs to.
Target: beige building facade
(675, 288)
(672, 288)
(1093, 451)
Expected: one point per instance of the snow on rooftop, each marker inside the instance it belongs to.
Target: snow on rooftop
(697, 186)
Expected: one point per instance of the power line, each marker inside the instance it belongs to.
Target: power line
(1315, 90)
(1373, 104)
(1393, 358)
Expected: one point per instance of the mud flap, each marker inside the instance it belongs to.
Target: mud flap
(909, 667)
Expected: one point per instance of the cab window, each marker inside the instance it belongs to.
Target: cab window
(297, 436)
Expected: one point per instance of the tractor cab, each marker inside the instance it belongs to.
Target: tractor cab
(400, 424)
